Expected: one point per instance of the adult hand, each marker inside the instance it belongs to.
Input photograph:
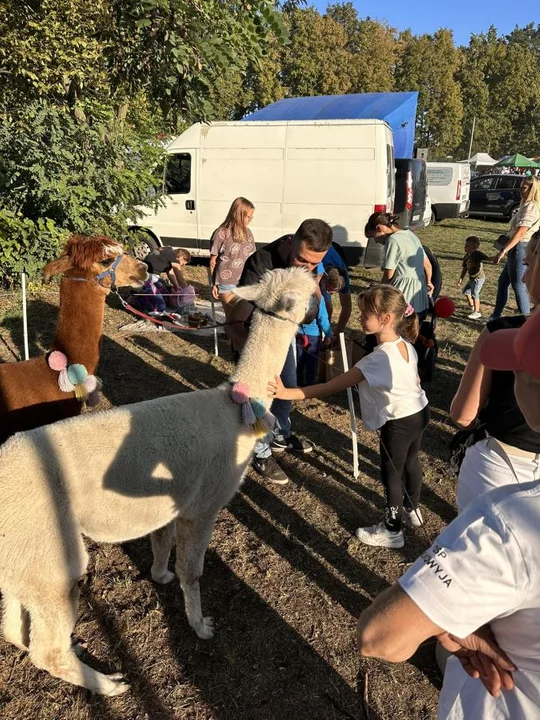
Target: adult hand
(498, 257)
(482, 658)
(275, 387)
(430, 288)
(215, 293)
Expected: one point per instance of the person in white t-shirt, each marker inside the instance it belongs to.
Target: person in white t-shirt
(483, 569)
(391, 400)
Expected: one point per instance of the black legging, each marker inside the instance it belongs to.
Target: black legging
(399, 445)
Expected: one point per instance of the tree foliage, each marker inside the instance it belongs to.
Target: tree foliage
(90, 88)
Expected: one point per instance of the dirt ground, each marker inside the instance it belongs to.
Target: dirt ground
(284, 578)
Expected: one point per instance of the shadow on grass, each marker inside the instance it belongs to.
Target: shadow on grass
(257, 665)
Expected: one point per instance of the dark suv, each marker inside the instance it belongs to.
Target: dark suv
(495, 195)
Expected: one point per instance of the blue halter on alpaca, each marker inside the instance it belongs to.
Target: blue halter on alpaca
(111, 271)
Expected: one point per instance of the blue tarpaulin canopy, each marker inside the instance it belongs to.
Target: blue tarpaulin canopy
(397, 108)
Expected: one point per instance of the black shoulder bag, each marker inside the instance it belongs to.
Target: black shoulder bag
(460, 442)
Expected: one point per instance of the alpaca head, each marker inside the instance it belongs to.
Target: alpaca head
(91, 256)
(287, 293)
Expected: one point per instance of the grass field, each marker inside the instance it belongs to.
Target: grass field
(284, 577)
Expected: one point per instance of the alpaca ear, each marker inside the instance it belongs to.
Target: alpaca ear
(56, 267)
(250, 292)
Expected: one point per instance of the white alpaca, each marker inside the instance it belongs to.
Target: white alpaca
(118, 475)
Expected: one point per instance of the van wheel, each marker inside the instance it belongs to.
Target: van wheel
(141, 243)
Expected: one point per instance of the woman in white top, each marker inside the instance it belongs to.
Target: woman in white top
(392, 400)
(523, 226)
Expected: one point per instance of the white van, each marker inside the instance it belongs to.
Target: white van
(448, 188)
(337, 170)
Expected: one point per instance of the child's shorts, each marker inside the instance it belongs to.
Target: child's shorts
(473, 287)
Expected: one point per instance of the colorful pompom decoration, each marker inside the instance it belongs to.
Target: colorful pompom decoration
(75, 379)
(77, 373)
(91, 383)
(93, 399)
(57, 361)
(240, 393)
(81, 393)
(248, 416)
(260, 429)
(253, 410)
(258, 407)
(64, 383)
(269, 420)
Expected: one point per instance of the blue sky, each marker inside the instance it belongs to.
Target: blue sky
(463, 18)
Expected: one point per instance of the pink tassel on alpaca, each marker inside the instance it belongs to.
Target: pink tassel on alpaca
(240, 393)
(57, 361)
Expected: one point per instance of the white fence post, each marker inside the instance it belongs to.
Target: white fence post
(25, 321)
(350, 398)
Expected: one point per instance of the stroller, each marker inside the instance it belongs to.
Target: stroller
(426, 344)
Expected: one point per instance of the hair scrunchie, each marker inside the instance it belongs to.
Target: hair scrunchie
(409, 310)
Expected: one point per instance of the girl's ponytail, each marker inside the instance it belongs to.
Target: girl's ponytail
(379, 299)
(380, 218)
(409, 326)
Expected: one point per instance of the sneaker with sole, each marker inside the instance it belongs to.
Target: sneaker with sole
(291, 444)
(270, 470)
(279, 445)
(475, 316)
(379, 536)
(412, 518)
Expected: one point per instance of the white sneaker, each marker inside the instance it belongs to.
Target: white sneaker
(381, 537)
(474, 316)
(412, 518)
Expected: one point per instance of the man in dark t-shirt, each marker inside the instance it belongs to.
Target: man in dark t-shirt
(306, 248)
(161, 260)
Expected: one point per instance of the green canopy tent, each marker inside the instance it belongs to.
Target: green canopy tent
(516, 160)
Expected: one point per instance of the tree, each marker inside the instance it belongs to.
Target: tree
(500, 85)
(371, 46)
(174, 50)
(528, 37)
(429, 63)
(316, 62)
(171, 51)
(479, 63)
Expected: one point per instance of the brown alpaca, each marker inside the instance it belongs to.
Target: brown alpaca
(29, 392)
